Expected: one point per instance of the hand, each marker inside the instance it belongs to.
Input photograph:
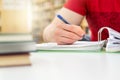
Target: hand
(67, 34)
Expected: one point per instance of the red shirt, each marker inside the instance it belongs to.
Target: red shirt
(99, 13)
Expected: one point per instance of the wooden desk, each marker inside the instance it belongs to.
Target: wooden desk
(66, 66)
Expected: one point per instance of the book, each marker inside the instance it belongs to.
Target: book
(112, 43)
(18, 59)
(14, 47)
(14, 37)
(16, 42)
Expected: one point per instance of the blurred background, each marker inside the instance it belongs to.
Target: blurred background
(30, 16)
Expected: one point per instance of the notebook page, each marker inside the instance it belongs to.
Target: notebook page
(78, 45)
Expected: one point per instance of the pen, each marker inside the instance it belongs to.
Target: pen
(85, 37)
(62, 19)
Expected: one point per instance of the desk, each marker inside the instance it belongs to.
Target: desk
(66, 66)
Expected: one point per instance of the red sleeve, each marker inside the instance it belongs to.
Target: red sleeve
(77, 6)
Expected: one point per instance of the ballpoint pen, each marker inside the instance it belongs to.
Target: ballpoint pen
(62, 19)
(85, 37)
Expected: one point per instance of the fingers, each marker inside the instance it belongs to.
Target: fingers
(66, 36)
(63, 40)
(72, 28)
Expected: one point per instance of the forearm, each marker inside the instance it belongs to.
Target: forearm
(49, 34)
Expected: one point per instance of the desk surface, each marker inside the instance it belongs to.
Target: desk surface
(66, 66)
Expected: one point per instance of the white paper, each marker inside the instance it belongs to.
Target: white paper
(79, 45)
(113, 44)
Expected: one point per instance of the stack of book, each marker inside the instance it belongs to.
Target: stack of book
(14, 45)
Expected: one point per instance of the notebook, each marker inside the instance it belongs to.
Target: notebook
(112, 43)
(78, 45)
